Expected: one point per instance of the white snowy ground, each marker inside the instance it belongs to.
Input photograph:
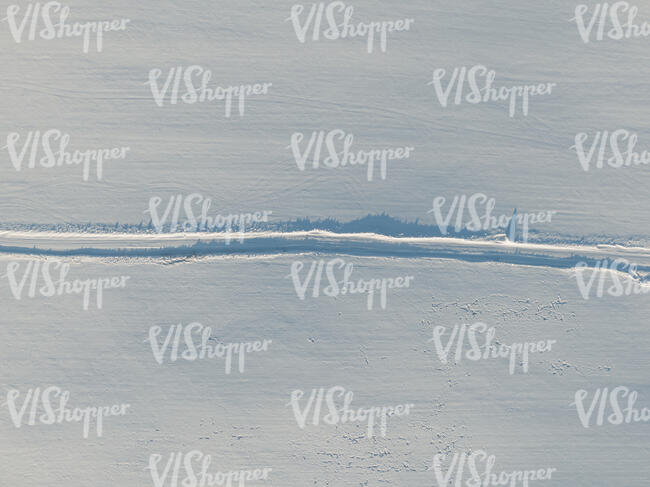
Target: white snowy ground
(243, 164)
(383, 356)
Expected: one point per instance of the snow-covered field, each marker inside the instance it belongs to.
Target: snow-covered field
(385, 356)
(344, 280)
(384, 99)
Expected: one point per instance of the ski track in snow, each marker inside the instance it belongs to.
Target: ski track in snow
(128, 245)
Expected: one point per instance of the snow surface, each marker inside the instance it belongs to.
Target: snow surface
(384, 356)
(101, 100)
(244, 290)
